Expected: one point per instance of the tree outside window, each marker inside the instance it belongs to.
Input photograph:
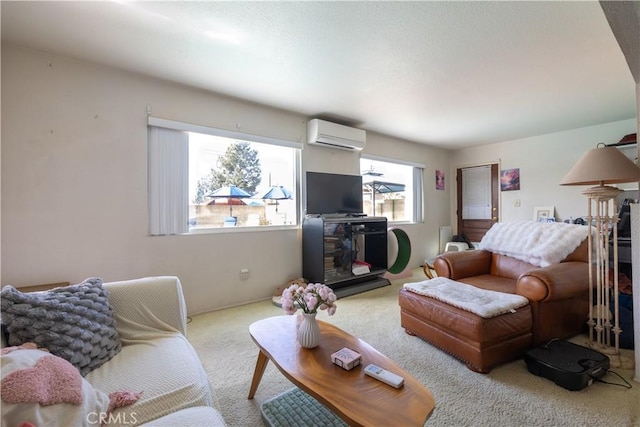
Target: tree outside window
(239, 167)
(217, 162)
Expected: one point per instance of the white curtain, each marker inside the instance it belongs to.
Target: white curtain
(168, 181)
(418, 180)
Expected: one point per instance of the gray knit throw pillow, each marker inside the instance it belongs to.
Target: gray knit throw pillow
(74, 322)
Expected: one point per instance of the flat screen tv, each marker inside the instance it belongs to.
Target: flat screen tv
(329, 193)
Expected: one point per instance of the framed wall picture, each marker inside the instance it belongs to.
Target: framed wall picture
(544, 214)
(439, 180)
(510, 179)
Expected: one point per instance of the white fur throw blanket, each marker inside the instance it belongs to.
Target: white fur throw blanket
(538, 243)
(482, 302)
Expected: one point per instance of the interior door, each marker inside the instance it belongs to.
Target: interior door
(477, 200)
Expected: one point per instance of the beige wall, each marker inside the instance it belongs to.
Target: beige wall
(74, 183)
(543, 161)
(74, 155)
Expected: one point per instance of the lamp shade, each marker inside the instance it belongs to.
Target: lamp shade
(600, 166)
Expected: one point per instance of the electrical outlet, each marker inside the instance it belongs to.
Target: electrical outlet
(244, 274)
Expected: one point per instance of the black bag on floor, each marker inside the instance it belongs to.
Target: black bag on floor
(569, 365)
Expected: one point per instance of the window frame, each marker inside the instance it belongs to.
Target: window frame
(190, 127)
(417, 176)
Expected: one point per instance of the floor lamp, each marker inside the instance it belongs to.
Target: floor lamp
(600, 166)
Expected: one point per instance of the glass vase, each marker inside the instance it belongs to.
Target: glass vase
(309, 331)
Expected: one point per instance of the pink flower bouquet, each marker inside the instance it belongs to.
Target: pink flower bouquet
(310, 299)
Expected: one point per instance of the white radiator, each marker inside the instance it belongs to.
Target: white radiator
(445, 237)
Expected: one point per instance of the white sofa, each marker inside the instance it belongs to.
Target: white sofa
(156, 358)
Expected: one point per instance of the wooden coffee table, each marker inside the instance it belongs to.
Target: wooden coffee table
(358, 399)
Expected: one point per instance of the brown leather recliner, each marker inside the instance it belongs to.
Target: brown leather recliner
(558, 306)
(558, 294)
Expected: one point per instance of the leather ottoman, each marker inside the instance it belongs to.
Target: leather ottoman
(481, 343)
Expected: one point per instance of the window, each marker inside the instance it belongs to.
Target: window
(261, 176)
(219, 179)
(392, 188)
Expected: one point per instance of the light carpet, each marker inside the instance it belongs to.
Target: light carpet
(508, 396)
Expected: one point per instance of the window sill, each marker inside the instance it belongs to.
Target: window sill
(259, 229)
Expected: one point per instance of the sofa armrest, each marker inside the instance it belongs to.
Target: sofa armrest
(458, 265)
(148, 307)
(555, 282)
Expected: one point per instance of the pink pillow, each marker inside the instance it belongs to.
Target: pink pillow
(39, 388)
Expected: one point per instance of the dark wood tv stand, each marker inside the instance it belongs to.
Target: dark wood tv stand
(331, 244)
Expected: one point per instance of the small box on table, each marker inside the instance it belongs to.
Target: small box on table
(346, 358)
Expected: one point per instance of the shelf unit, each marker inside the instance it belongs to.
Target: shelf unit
(332, 244)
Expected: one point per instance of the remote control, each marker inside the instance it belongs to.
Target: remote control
(383, 375)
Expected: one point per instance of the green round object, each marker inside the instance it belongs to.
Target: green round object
(404, 251)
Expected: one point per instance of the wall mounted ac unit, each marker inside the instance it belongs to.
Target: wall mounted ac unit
(333, 135)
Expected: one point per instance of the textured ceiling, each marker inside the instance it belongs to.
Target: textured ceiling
(449, 74)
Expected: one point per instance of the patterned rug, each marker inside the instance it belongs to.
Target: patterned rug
(295, 408)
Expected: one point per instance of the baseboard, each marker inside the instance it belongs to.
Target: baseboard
(407, 272)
